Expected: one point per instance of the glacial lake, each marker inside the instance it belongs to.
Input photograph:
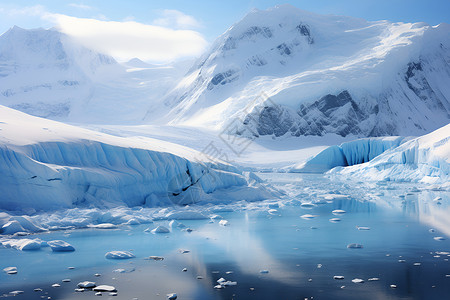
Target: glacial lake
(397, 224)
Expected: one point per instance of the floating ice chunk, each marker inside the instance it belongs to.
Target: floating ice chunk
(373, 279)
(363, 228)
(437, 199)
(439, 238)
(160, 229)
(184, 270)
(264, 271)
(335, 220)
(307, 205)
(229, 283)
(272, 211)
(221, 280)
(172, 296)
(308, 217)
(357, 280)
(113, 294)
(66, 280)
(104, 226)
(219, 286)
(60, 246)
(183, 251)
(119, 255)
(10, 270)
(401, 261)
(354, 246)
(38, 290)
(55, 285)
(155, 258)
(104, 288)
(175, 223)
(393, 286)
(223, 223)
(11, 227)
(338, 212)
(86, 284)
(15, 293)
(417, 264)
(133, 222)
(216, 217)
(199, 277)
(98, 294)
(338, 277)
(186, 215)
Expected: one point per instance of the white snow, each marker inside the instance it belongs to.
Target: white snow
(119, 255)
(21, 244)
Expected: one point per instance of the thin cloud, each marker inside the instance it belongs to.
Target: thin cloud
(177, 19)
(168, 41)
(125, 40)
(81, 6)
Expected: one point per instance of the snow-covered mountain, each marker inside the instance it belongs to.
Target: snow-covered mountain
(46, 165)
(48, 74)
(286, 71)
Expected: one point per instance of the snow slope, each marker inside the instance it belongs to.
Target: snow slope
(348, 154)
(426, 159)
(46, 73)
(47, 165)
(287, 71)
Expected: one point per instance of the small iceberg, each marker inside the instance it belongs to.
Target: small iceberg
(308, 217)
(335, 220)
(86, 284)
(223, 223)
(119, 255)
(357, 280)
(104, 288)
(338, 212)
(60, 246)
(354, 246)
(10, 270)
(338, 277)
(160, 229)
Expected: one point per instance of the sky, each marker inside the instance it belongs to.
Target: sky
(162, 31)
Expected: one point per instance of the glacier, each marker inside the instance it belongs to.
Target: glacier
(348, 154)
(47, 165)
(425, 159)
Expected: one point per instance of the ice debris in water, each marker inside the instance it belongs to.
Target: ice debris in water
(155, 258)
(354, 246)
(338, 212)
(308, 216)
(104, 288)
(335, 220)
(22, 244)
(439, 238)
(307, 205)
(10, 270)
(223, 223)
(119, 255)
(373, 279)
(357, 280)
(363, 228)
(86, 284)
(104, 226)
(161, 229)
(183, 251)
(338, 277)
(60, 246)
(172, 296)
(15, 293)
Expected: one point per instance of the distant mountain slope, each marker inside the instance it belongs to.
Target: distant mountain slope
(323, 74)
(48, 74)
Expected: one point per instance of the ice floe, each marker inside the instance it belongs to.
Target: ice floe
(119, 255)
